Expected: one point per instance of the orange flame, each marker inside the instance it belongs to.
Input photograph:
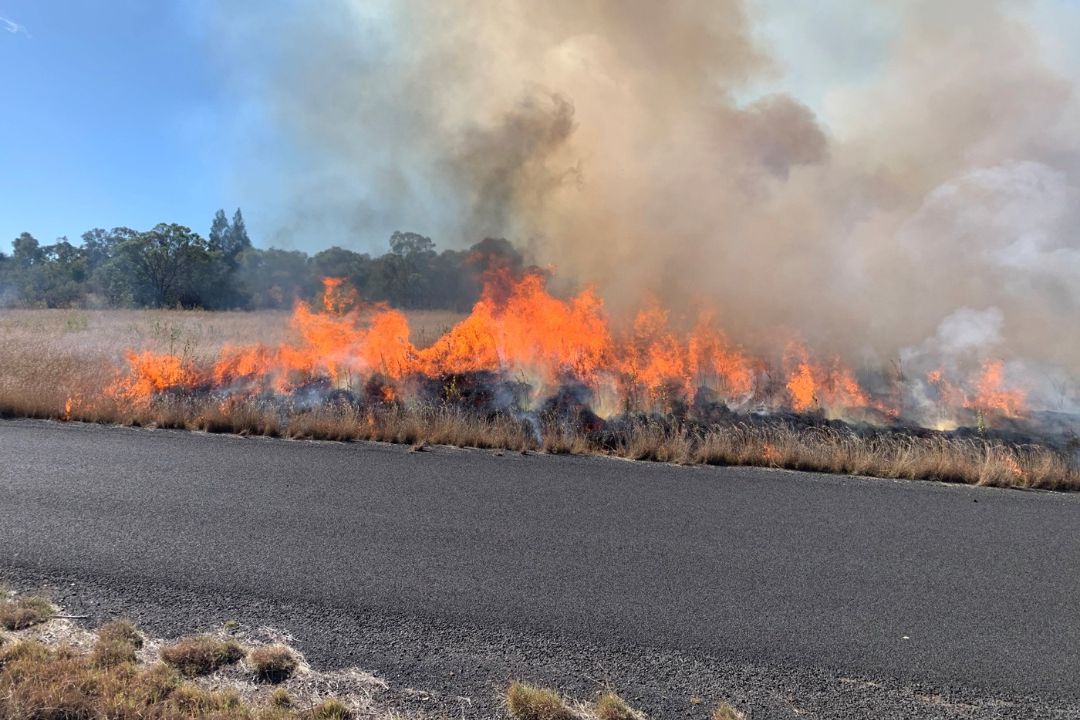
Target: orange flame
(519, 329)
(991, 395)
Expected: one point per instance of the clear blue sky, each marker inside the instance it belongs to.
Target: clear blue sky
(110, 117)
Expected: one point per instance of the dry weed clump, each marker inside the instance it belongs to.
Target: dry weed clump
(272, 663)
(529, 702)
(22, 612)
(44, 683)
(201, 654)
(332, 709)
(612, 707)
(117, 643)
(57, 674)
(724, 711)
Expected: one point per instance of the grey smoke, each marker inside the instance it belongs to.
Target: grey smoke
(622, 143)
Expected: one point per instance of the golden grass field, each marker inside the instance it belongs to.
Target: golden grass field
(49, 357)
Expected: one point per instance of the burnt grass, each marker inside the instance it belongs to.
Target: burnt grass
(488, 410)
(491, 397)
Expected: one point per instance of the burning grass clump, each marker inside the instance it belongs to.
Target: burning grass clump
(201, 654)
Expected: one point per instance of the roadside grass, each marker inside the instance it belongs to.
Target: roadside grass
(524, 701)
(272, 663)
(117, 643)
(18, 613)
(54, 670)
(612, 707)
(529, 702)
(201, 654)
(331, 709)
(724, 711)
(54, 363)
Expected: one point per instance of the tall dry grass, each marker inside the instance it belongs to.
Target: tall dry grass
(54, 364)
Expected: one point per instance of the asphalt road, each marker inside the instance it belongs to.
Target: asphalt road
(926, 586)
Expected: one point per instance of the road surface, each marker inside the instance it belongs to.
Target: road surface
(923, 589)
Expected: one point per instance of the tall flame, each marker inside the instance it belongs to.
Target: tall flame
(518, 329)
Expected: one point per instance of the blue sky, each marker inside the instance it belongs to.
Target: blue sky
(112, 116)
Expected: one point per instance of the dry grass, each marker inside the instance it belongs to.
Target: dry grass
(201, 654)
(528, 702)
(22, 612)
(58, 671)
(723, 711)
(117, 643)
(53, 364)
(612, 707)
(272, 663)
(50, 356)
(43, 683)
(331, 709)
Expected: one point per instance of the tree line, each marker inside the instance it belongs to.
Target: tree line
(171, 266)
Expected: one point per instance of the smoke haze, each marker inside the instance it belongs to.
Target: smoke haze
(926, 210)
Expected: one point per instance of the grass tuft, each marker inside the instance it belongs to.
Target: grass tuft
(528, 702)
(281, 698)
(612, 707)
(22, 612)
(117, 643)
(724, 711)
(201, 654)
(272, 663)
(331, 709)
(121, 631)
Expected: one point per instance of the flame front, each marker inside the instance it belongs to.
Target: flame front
(519, 330)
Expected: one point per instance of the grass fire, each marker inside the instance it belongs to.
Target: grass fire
(529, 370)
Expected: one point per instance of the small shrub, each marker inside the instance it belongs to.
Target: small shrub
(22, 612)
(272, 663)
(201, 655)
(612, 707)
(331, 709)
(723, 711)
(528, 702)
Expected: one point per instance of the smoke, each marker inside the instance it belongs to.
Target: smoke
(628, 144)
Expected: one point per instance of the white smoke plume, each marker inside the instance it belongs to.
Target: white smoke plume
(625, 144)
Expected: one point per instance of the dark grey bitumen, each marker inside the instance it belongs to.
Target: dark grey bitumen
(830, 584)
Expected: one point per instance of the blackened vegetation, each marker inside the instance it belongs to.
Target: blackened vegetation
(172, 266)
(568, 412)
